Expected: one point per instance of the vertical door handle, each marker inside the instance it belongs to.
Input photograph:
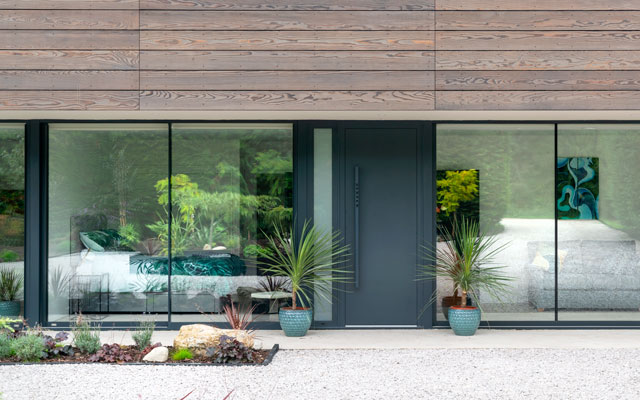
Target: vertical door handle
(356, 221)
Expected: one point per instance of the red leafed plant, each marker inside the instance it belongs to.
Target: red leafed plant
(111, 353)
(236, 318)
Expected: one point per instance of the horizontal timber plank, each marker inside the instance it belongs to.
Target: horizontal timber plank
(286, 80)
(287, 5)
(538, 20)
(69, 59)
(287, 60)
(68, 19)
(62, 40)
(294, 20)
(538, 100)
(69, 80)
(604, 5)
(538, 40)
(286, 40)
(69, 100)
(537, 80)
(69, 4)
(287, 100)
(538, 60)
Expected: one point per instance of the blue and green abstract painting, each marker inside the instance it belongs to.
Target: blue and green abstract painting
(577, 191)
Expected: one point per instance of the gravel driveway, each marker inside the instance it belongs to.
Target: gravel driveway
(350, 374)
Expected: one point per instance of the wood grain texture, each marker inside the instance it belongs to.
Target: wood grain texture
(72, 40)
(538, 20)
(283, 40)
(286, 101)
(537, 80)
(69, 59)
(537, 100)
(67, 19)
(286, 80)
(69, 4)
(287, 60)
(292, 20)
(538, 40)
(604, 5)
(287, 5)
(538, 60)
(69, 80)
(69, 100)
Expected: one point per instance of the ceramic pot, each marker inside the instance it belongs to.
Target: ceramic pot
(9, 308)
(464, 320)
(295, 322)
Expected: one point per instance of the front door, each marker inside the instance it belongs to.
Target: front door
(381, 203)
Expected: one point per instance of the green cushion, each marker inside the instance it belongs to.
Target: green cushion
(102, 240)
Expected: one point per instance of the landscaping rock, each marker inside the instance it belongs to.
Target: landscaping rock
(159, 354)
(199, 337)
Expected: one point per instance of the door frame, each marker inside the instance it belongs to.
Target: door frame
(426, 180)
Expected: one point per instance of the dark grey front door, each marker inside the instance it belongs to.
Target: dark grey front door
(382, 225)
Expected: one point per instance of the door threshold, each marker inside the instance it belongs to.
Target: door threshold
(381, 326)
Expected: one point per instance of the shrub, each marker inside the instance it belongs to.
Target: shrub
(231, 351)
(182, 354)
(86, 338)
(5, 346)
(111, 353)
(54, 347)
(29, 347)
(143, 335)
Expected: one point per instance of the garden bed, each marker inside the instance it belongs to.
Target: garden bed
(262, 357)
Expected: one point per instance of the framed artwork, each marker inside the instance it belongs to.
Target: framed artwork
(577, 190)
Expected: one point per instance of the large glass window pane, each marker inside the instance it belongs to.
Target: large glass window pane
(598, 187)
(230, 184)
(511, 167)
(323, 202)
(107, 221)
(12, 213)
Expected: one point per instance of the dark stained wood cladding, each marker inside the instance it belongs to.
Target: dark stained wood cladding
(320, 54)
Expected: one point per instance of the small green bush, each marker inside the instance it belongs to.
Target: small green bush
(86, 338)
(5, 346)
(182, 354)
(143, 335)
(29, 347)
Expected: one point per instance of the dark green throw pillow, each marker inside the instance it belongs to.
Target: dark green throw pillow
(102, 240)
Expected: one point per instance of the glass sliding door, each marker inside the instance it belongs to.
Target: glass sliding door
(107, 221)
(502, 175)
(12, 196)
(230, 184)
(597, 192)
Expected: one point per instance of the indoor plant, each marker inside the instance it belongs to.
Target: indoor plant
(10, 286)
(311, 261)
(467, 259)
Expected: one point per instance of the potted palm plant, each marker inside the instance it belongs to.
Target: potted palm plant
(311, 262)
(10, 285)
(467, 259)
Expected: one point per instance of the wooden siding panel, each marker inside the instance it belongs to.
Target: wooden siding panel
(538, 100)
(538, 40)
(69, 4)
(473, 5)
(287, 5)
(283, 100)
(287, 60)
(69, 80)
(293, 20)
(69, 100)
(67, 19)
(538, 60)
(69, 59)
(538, 20)
(62, 40)
(286, 80)
(283, 40)
(537, 80)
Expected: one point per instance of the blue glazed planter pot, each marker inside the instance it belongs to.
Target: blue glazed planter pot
(9, 308)
(464, 320)
(295, 322)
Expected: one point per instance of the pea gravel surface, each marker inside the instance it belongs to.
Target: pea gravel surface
(350, 374)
